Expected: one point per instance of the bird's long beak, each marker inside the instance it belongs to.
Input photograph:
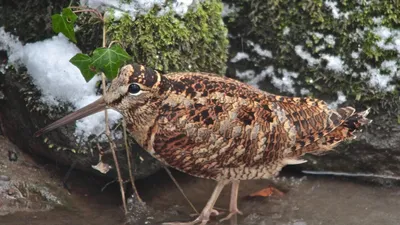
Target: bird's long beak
(90, 109)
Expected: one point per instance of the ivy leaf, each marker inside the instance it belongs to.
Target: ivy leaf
(64, 23)
(109, 60)
(84, 64)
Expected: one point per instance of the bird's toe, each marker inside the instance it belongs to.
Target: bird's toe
(213, 212)
(202, 219)
(231, 213)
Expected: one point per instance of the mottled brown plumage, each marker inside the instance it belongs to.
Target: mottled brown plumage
(219, 128)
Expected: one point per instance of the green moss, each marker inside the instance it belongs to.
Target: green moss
(264, 22)
(196, 41)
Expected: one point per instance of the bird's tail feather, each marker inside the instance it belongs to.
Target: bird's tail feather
(355, 121)
(352, 122)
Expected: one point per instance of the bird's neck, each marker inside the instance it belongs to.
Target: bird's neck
(140, 123)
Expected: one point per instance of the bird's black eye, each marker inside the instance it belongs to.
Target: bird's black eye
(134, 89)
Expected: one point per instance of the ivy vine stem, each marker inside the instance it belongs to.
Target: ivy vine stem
(82, 9)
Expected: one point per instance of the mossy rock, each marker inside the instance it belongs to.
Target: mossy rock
(346, 30)
(303, 37)
(196, 41)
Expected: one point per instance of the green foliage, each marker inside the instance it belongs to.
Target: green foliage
(64, 23)
(197, 41)
(83, 62)
(106, 60)
(264, 23)
(109, 60)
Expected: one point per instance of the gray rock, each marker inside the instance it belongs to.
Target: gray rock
(25, 187)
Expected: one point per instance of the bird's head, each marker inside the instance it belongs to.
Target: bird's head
(135, 88)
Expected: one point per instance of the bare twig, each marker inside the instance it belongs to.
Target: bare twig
(129, 158)
(106, 185)
(108, 134)
(180, 189)
(113, 147)
(113, 42)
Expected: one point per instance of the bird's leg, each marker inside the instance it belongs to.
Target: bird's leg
(208, 209)
(233, 209)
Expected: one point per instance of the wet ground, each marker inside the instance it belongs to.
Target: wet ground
(308, 200)
(30, 188)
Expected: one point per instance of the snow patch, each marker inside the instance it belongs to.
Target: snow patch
(240, 56)
(330, 39)
(355, 55)
(335, 10)
(378, 80)
(137, 7)
(226, 10)
(377, 20)
(246, 75)
(252, 78)
(59, 81)
(391, 66)
(286, 31)
(181, 6)
(341, 99)
(304, 91)
(260, 77)
(262, 52)
(286, 82)
(11, 45)
(390, 38)
(334, 63)
(333, 7)
(306, 55)
(257, 48)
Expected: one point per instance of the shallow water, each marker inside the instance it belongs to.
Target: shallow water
(308, 200)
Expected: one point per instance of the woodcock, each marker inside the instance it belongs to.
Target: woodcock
(219, 128)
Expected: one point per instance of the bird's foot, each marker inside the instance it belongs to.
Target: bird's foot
(202, 219)
(231, 213)
(214, 212)
(204, 216)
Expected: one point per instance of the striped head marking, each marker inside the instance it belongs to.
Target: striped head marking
(134, 86)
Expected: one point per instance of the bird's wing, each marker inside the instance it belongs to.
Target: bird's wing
(212, 122)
